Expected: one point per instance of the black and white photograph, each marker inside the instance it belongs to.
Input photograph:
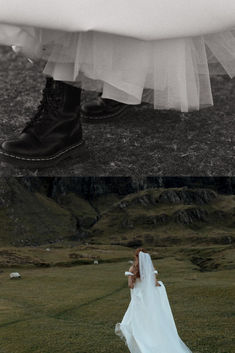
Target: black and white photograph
(114, 89)
(117, 176)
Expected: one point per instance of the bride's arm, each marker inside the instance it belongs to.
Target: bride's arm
(131, 282)
(131, 279)
(157, 283)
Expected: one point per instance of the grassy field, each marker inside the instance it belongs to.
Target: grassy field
(74, 309)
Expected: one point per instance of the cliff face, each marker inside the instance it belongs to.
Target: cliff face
(40, 210)
(90, 187)
(161, 217)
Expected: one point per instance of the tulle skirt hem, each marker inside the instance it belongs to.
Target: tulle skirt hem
(170, 74)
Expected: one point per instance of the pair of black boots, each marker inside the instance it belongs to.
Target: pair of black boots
(55, 132)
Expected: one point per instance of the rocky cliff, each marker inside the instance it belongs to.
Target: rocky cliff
(96, 186)
(115, 211)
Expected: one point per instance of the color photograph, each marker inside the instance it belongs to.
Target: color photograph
(114, 265)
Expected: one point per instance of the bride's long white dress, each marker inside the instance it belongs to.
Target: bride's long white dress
(148, 325)
(158, 51)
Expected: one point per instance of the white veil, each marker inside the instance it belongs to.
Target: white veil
(147, 273)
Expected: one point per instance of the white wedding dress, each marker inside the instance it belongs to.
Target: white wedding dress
(158, 51)
(148, 325)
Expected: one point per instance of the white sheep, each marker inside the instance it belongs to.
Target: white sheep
(96, 262)
(15, 275)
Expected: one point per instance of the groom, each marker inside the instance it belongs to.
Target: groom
(54, 133)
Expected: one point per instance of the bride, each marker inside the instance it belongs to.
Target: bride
(148, 325)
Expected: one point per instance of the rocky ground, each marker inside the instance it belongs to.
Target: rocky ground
(145, 142)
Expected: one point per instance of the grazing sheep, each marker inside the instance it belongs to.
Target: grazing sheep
(15, 275)
(96, 262)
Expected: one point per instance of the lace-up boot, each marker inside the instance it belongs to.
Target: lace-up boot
(102, 110)
(53, 134)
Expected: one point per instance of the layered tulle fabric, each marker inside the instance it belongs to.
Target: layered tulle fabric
(140, 19)
(148, 325)
(169, 73)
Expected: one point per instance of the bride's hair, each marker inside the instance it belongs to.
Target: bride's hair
(135, 266)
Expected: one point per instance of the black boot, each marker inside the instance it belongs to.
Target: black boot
(53, 134)
(101, 110)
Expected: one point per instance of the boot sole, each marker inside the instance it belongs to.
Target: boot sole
(78, 152)
(104, 119)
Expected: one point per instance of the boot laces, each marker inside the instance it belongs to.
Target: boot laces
(48, 106)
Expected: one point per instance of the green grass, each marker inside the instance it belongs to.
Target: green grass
(103, 202)
(34, 218)
(80, 208)
(63, 253)
(75, 309)
(68, 254)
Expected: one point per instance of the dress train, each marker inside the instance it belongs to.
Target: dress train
(148, 325)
